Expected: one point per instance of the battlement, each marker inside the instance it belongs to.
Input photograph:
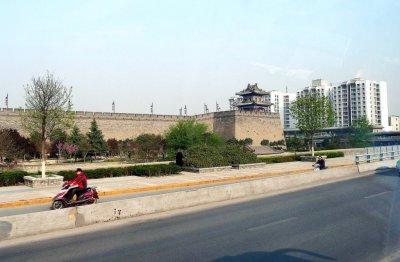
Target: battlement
(108, 115)
(257, 125)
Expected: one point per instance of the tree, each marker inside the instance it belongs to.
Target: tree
(185, 134)
(149, 146)
(59, 136)
(13, 145)
(7, 145)
(48, 109)
(361, 132)
(113, 146)
(75, 136)
(84, 147)
(313, 113)
(96, 139)
(127, 147)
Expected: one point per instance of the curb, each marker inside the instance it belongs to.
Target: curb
(122, 191)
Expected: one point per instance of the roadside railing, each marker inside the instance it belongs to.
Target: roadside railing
(373, 154)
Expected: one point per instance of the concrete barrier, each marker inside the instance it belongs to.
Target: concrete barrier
(377, 166)
(41, 222)
(37, 223)
(169, 201)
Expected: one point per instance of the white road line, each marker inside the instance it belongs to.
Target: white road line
(272, 224)
(379, 194)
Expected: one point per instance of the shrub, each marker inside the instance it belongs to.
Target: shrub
(237, 154)
(139, 170)
(10, 178)
(205, 156)
(279, 159)
(291, 158)
(247, 141)
(211, 156)
(265, 142)
(329, 154)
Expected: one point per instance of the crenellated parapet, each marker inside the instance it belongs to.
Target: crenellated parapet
(257, 125)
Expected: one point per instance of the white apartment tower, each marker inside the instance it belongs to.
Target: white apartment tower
(318, 86)
(353, 99)
(359, 97)
(280, 103)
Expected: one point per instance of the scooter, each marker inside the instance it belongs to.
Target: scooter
(60, 201)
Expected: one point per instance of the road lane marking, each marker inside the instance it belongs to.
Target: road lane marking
(272, 224)
(378, 194)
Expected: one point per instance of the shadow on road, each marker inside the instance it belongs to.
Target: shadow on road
(386, 171)
(297, 255)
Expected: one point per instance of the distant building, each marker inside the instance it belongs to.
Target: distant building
(394, 123)
(253, 98)
(318, 86)
(280, 103)
(361, 98)
(353, 99)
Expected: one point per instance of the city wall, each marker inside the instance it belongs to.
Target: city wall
(229, 124)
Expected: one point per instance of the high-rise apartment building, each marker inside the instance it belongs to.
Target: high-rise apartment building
(318, 86)
(358, 98)
(353, 99)
(280, 103)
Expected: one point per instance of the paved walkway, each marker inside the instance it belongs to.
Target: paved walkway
(22, 195)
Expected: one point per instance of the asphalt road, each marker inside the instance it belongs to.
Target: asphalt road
(354, 220)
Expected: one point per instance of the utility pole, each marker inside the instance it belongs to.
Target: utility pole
(185, 110)
(180, 111)
(113, 107)
(6, 101)
(151, 108)
(217, 108)
(206, 109)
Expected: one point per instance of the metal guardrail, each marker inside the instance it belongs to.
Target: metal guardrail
(378, 154)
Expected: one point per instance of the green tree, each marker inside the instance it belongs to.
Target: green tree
(48, 109)
(361, 132)
(96, 139)
(84, 147)
(75, 137)
(313, 113)
(185, 134)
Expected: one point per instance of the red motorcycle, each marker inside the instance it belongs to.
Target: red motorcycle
(90, 196)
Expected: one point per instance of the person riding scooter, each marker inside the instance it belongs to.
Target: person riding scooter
(77, 185)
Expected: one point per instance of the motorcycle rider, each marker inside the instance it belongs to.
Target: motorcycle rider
(78, 185)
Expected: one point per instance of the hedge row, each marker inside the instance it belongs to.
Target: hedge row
(10, 178)
(203, 155)
(292, 158)
(138, 170)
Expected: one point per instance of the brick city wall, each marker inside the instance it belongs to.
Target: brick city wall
(228, 124)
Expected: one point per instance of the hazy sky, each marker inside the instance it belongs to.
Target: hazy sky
(174, 53)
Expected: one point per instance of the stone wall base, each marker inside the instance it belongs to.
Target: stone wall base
(207, 169)
(246, 166)
(49, 181)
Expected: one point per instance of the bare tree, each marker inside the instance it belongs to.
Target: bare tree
(48, 109)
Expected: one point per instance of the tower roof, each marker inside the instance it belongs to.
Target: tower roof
(252, 90)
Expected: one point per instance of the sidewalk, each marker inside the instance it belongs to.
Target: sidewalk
(22, 195)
